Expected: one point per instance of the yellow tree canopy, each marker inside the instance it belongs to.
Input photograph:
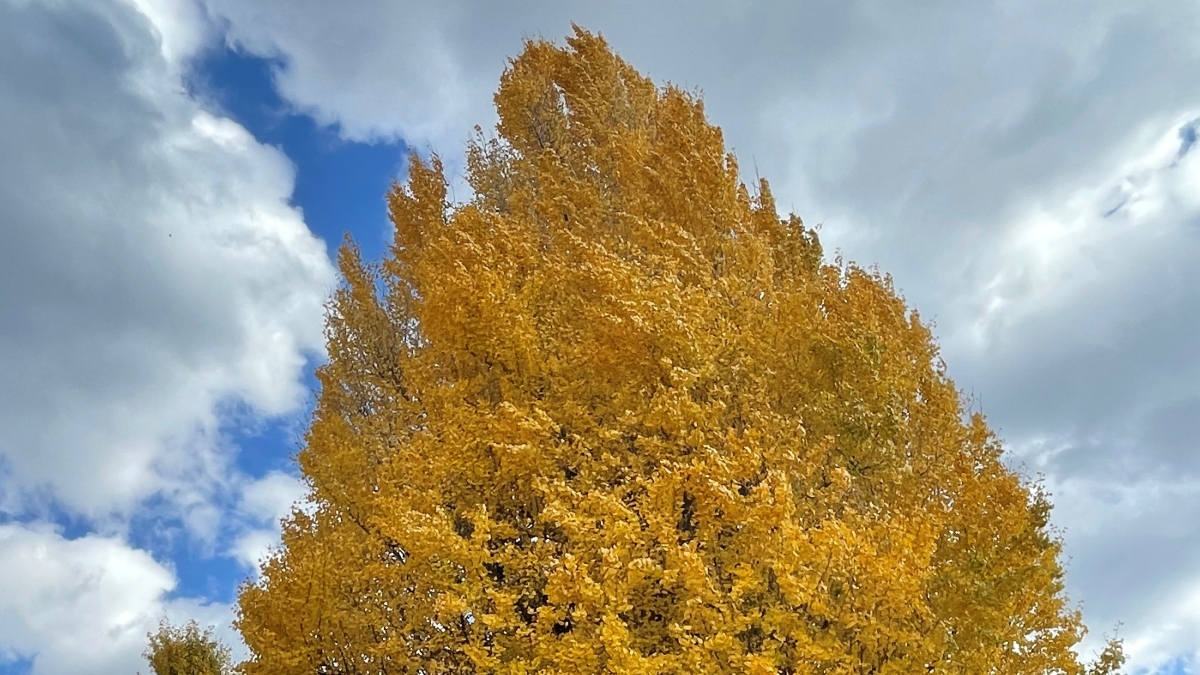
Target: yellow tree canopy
(186, 650)
(615, 415)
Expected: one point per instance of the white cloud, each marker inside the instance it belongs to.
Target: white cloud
(180, 25)
(85, 605)
(151, 267)
(263, 504)
(273, 496)
(421, 88)
(152, 274)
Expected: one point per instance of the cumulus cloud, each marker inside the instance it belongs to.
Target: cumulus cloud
(85, 605)
(153, 276)
(263, 504)
(151, 267)
(181, 27)
(1023, 169)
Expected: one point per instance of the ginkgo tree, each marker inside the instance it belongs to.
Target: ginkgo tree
(614, 414)
(186, 650)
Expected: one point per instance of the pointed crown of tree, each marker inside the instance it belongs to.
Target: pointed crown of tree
(614, 414)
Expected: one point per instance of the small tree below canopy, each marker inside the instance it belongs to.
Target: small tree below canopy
(614, 414)
(186, 650)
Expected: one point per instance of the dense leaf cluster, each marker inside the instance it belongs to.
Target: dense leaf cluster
(613, 414)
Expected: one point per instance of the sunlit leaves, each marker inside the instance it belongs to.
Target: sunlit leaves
(186, 650)
(614, 415)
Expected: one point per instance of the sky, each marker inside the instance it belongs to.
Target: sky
(176, 176)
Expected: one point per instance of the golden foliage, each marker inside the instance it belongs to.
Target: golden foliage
(186, 650)
(614, 415)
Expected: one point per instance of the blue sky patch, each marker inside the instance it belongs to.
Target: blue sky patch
(340, 187)
(15, 665)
